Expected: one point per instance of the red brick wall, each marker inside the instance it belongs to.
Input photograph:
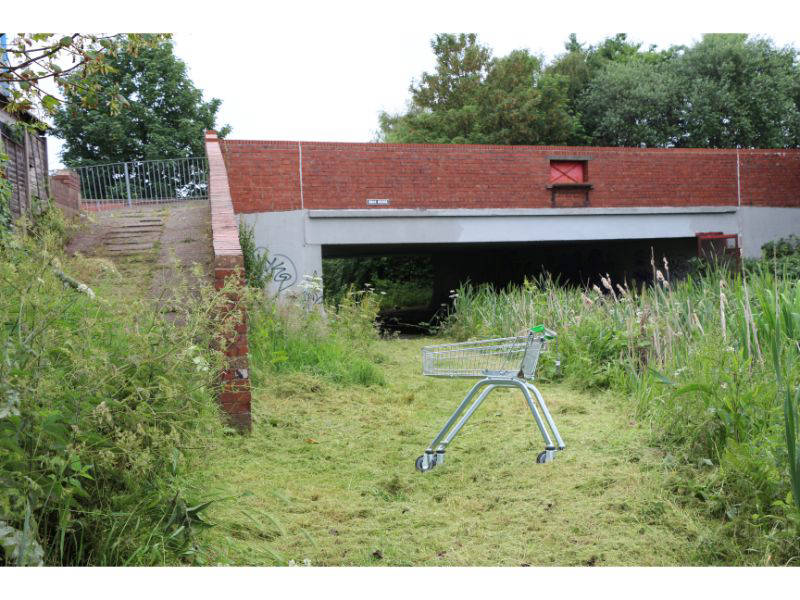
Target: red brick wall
(65, 189)
(770, 178)
(265, 176)
(235, 396)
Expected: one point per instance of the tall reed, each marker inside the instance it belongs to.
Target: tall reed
(711, 360)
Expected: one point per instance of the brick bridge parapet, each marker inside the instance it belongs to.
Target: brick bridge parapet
(235, 396)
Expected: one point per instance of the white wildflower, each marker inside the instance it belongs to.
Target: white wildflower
(102, 413)
(201, 364)
(82, 287)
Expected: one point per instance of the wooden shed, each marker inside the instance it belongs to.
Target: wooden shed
(27, 166)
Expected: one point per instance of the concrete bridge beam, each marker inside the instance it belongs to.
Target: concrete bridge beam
(502, 245)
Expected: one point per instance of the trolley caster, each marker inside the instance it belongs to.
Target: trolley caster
(428, 460)
(423, 464)
(545, 456)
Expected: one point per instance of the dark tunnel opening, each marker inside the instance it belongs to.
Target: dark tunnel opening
(416, 281)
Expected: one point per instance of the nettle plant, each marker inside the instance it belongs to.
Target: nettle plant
(102, 404)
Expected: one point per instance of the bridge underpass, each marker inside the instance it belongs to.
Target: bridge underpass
(489, 246)
(577, 262)
(504, 211)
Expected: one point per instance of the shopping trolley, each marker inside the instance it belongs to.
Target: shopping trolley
(502, 362)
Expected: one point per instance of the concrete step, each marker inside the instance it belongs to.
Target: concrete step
(137, 241)
(128, 248)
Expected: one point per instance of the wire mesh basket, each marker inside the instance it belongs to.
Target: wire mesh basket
(498, 363)
(500, 357)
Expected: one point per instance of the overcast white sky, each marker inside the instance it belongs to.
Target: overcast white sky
(331, 87)
(324, 71)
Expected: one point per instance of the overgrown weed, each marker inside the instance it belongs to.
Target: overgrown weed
(711, 361)
(333, 343)
(102, 401)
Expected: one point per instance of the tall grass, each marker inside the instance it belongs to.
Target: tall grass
(102, 400)
(256, 264)
(333, 343)
(712, 361)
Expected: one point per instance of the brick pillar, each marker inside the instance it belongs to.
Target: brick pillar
(235, 396)
(65, 188)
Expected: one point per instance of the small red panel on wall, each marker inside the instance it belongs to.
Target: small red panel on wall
(567, 171)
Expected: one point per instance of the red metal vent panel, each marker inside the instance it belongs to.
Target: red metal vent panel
(567, 171)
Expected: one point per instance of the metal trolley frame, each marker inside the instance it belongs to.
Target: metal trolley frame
(501, 362)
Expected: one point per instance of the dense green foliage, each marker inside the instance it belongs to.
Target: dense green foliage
(400, 281)
(712, 362)
(5, 194)
(102, 402)
(783, 256)
(632, 103)
(727, 90)
(256, 264)
(297, 338)
(74, 62)
(164, 114)
(475, 99)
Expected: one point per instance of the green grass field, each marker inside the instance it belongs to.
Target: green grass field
(328, 478)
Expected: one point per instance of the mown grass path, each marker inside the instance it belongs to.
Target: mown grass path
(328, 478)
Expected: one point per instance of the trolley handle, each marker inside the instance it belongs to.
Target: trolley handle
(547, 334)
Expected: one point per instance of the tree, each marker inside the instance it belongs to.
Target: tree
(461, 66)
(443, 107)
(580, 65)
(739, 92)
(725, 91)
(475, 99)
(633, 103)
(519, 104)
(164, 114)
(71, 61)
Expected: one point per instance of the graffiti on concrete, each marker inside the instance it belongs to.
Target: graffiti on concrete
(282, 273)
(281, 270)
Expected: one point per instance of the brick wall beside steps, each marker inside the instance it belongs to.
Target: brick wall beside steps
(235, 396)
(65, 188)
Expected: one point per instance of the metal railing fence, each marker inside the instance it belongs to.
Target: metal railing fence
(145, 181)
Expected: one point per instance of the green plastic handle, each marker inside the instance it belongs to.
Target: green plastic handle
(542, 329)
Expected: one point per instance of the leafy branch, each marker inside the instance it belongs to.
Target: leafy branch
(72, 62)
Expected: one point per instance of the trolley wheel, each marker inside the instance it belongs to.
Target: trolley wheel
(420, 464)
(542, 457)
